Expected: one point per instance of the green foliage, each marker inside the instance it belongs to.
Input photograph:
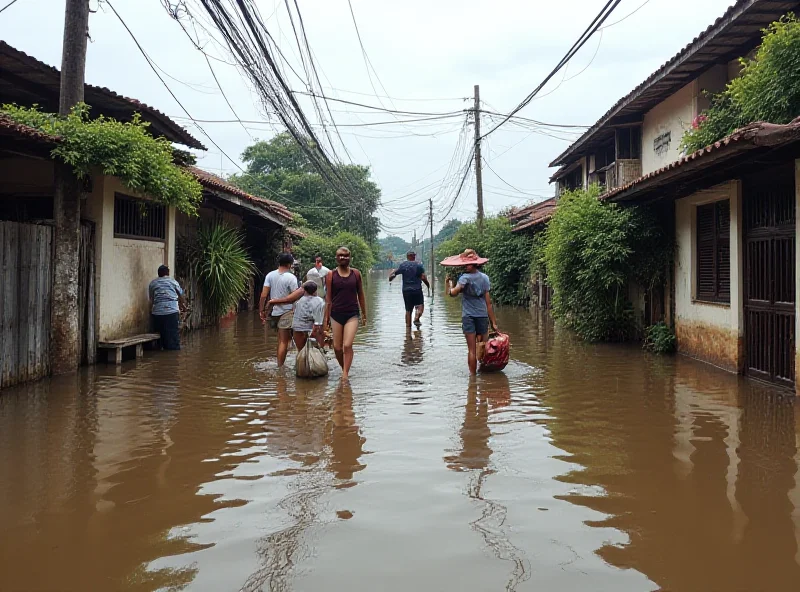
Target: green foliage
(279, 169)
(592, 251)
(125, 150)
(222, 266)
(767, 90)
(660, 339)
(508, 254)
(315, 243)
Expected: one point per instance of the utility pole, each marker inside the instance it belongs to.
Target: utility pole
(65, 338)
(478, 178)
(433, 273)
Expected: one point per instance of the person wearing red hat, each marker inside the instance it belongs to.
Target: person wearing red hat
(476, 302)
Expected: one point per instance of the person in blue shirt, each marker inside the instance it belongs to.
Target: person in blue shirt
(476, 305)
(413, 277)
(166, 296)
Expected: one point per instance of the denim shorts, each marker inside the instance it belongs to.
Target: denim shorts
(477, 325)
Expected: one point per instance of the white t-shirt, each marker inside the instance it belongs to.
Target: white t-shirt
(318, 277)
(280, 286)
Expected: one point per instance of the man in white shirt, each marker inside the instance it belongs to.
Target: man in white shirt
(317, 275)
(279, 284)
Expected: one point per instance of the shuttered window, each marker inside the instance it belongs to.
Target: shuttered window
(714, 252)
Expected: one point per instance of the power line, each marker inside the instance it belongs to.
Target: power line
(9, 5)
(604, 13)
(401, 112)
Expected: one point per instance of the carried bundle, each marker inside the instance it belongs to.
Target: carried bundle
(496, 352)
(311, 361)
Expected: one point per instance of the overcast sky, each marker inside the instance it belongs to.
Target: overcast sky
(427, 54)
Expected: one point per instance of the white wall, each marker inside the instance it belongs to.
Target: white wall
(674, 115)
(125, 266)
(709, 331)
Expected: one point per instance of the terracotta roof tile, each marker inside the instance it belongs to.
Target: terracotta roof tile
(212, 181)
(538, 213)
(45, 79)
(9, 127)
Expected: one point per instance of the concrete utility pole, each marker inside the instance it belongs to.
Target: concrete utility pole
(478, 177)
(433, 274)
(65, 338)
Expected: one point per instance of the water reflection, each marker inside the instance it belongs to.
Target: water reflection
(412, 347)
(473, 456)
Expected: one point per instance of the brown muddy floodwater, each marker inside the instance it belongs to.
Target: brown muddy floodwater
(579, 468)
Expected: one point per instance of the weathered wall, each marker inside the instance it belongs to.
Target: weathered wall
(125, 266)
(711, 332)
(26, 175)
(672, 116)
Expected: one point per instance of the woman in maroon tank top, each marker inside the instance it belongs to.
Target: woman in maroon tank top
(344, 297)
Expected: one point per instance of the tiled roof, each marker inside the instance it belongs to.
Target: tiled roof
(212, 181)
(30, 81)
(755, 135)
(295, 233)
(532, 215)
(10, 128)
(740, 27)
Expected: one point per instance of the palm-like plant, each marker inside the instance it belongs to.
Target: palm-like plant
(222, 267)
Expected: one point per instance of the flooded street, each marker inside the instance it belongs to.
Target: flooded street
(579, 468)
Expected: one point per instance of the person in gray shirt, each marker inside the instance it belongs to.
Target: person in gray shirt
(476, 305)
(165, 297)
(309, 312)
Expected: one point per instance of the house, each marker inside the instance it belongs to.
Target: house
(731, 295)
(533, 219)
(125, 236)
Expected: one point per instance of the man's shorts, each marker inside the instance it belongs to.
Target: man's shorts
(413, 298)
(477, 325)
(273, 322)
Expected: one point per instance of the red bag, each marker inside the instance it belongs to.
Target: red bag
(497, 351)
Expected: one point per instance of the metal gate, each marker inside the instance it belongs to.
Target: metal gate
(25, 296)
(769, 290)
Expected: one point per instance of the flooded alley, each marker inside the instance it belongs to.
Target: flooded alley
(581, 467)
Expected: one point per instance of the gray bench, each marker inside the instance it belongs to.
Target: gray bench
(114, 348)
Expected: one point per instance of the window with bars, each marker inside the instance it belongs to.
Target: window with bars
(714, 252)
(139, 219)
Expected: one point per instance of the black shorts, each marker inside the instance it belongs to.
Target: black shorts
(413, 298)
(343, 317)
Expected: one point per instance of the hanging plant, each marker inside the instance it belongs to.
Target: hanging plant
(222, 267)
(126, 150)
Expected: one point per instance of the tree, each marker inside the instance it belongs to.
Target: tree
(279, 169)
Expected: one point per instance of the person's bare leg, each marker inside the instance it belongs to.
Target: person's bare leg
(350, 330)
(472, 359)
(338, 335)
(300, 338)
(408, 318)
(284, 337)
(420, 310)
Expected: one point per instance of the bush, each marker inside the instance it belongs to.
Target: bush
(592, 251)
(315, 243)
(509, 257)
(222, 266)
(767, 90)
(659, 339)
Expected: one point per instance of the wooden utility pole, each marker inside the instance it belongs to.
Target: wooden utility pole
(433, 273)
(478, 177)
(65, 337)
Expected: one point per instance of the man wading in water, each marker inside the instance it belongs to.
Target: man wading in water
(279, 284)
(413, 277)
(344, 297)
(476, 304)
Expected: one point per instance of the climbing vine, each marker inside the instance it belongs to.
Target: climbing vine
(593, 250)
(767, 90)
(125, 150)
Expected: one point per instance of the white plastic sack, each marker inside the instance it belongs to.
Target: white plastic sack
(311, 361)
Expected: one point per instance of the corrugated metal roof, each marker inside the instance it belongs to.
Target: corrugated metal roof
(730, 36)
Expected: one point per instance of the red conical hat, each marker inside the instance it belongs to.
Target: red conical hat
(468, 257)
